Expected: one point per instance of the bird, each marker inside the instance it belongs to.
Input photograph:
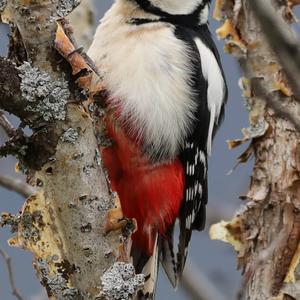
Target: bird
(165, 96)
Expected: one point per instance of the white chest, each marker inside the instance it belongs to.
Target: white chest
(147, 71)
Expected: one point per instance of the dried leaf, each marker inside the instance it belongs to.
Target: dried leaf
(79, 65)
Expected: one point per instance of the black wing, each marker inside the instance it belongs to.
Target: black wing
(194, 154)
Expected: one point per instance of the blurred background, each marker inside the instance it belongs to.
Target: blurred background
(215, 260)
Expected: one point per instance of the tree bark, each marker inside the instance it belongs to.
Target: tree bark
(64, 224)
(266, 234)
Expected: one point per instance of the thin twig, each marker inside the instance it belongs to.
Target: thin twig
(14, 289)
(6, 125)
(198, 285)
(16, 185)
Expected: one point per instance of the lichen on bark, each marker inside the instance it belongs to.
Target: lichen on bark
(2, 5)
(44, 95)
(64, 224)
(65, 7)
(120, 281)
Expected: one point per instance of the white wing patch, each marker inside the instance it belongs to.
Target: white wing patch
(147, 72)
(216, 86)
(150, 271)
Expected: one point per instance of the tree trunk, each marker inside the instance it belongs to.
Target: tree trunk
(64, 224)
(266, 234)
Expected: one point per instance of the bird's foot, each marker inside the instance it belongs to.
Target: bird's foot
(116, 221)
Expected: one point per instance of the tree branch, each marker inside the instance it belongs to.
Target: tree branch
(198, 285)
(267, 51)
(14, 289)
(64, 224)
(17, 185)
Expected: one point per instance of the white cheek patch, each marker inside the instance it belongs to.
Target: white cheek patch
(203, 18)
(216, 86)
(147, 71)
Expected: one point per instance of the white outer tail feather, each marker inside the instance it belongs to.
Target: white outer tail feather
(150, 271)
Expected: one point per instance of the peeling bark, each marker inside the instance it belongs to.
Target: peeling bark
(266, 234)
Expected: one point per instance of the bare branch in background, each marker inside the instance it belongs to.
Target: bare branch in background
(198, 285)
(17, 185)
(12, 283)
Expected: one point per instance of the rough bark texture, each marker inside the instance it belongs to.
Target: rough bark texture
(10, 94)
(63, 224)
(266, 233)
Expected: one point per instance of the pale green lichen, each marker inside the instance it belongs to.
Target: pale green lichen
(45, 96)
(2, 5)
(70, 136)
(10, 220)
(120, 281)
(88, 169)
(29, 223)
(97, 158)
(56, 284)
(105, 204)
(66, 6)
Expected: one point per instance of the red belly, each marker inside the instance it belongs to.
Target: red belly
(152, 194)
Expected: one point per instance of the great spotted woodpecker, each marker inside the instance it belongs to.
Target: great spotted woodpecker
(166, 96)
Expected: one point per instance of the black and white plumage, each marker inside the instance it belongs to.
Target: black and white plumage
(161, 67)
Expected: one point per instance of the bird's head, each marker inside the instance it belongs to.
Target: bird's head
(196, 10)
(178, 7)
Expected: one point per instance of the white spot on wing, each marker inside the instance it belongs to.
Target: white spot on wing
(200, 189)
(202, 159)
